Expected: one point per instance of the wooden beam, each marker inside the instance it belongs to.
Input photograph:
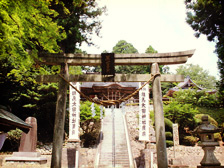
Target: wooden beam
(117, 78)
(120, 59)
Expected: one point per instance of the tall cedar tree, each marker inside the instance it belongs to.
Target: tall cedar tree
(207, 17)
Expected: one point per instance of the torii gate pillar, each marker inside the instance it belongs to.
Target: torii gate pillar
(124, 59)
(159, 119)
(59, 118)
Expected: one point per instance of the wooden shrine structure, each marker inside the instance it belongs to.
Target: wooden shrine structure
(109, 90)
(153, 59)
(187, 84)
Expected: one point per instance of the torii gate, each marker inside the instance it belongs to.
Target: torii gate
(154, 59)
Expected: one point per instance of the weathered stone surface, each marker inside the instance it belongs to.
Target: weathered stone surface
(192, 156)
(137, 146)
(120, 59)
(28, 142)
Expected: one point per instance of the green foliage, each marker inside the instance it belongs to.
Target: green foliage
(86, 113)
(201, 98)
(187, 107)
(168, 124)
(27, 25)
(216, 113)
(168, 129)
(198, 75)
(90, 125)
(165, 86)
(169, 143)
(207, 17)
(26, 28)
(169, 135)
(210, 119)
(150, 49)
(15, 135)
(183, 114)
(217, 136)
(80, 19)
(123, 47)
(190, 140)
(13, 140)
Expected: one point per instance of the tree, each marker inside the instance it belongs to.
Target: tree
(27, 27)
(207, 17)
(198, 75)
(150, 49)
(163, 69)
(79, 20)
(123, 47)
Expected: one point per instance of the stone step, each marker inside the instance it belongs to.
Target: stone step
(116, 166)
(121, 152)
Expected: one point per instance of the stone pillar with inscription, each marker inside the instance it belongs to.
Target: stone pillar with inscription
(177, 160)
(27, 149)
(175, 135)
(144, 113)
(74, 113)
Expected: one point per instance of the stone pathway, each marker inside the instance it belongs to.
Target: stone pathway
(121, 151)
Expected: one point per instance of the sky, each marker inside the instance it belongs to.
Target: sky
(159, 23)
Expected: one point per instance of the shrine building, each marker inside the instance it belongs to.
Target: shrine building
(187, 84)
(109, 90)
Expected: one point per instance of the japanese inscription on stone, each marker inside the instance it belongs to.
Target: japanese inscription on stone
(74, 112)
(144, 113)
(175, 135)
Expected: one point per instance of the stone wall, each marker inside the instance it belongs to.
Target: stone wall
(137, 146)
(192, 156)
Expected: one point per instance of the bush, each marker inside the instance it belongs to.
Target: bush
(169, 135)
(168, 124)
(210, 119)
(90, 125)
(13, 140)
(169, 143)
(183, 114)
(217, 136)
(190, 140)
(198, 98)
(216, 113)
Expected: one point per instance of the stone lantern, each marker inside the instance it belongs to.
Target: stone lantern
(206, 132)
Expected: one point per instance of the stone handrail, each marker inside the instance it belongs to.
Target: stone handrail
(131, 160)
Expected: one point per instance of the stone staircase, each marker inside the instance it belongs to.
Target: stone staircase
(121, 158)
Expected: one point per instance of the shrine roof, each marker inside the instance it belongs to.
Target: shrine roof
(9, 121)
(105, 84)
(187, 84)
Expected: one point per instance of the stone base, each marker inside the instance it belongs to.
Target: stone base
(26, 157)
(177, 163)
(178, 166)
(210, 166)
(74, 140)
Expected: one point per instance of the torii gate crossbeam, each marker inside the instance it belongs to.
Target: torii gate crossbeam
(154, 59)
